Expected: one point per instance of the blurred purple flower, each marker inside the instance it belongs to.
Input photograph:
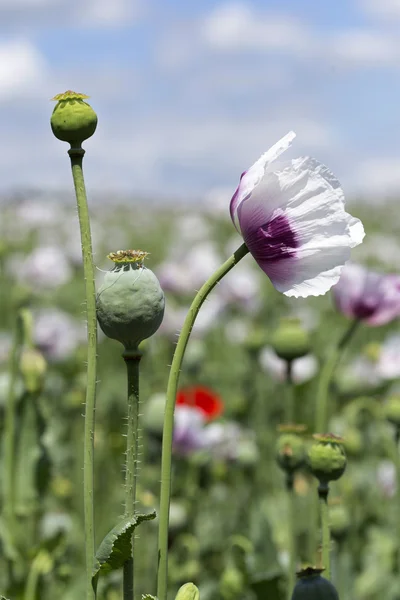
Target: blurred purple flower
(188, 429)
(291, 216)
(57, 334)
(45, 267)
(372, 297)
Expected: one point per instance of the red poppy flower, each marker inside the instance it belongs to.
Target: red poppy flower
(207, 401)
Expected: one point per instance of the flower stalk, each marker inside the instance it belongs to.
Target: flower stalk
(323, 491)
(166, 459)
(76, 156)
(132, 361)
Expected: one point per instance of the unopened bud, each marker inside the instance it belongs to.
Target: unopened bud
(291, 340)
(188, 591)
(33, 370)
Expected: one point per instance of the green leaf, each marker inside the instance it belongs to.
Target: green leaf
(145, 597)
(116, 548)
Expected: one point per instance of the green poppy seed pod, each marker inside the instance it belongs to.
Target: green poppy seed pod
(340, 522)
(353, 442)
(290, 452)
(188, 591)
(232, 583)
(311, 586)
(130, 303)
(326, 458)
(392, 410)
(33, 369)
(290, 340)
(73, 120)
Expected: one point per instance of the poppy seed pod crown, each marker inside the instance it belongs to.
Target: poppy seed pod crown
(130, 303)
(73, 120)
(326, 457)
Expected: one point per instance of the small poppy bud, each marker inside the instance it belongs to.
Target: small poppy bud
(290, 452)
(311, 586)
(339, 520)
(353, 442)
(232, 583)
(392, 410)
(290, 340)
(326, 457)
(33, 370)
(130, 303)
(188, 591)
(73, 120)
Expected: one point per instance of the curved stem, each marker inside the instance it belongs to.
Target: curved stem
(76, 156)
(132, 361)
(169, 415)
(326, 534)
(292, 535)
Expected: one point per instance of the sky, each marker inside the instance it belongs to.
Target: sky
(189, 94)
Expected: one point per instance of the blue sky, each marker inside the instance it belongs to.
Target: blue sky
(189, 94)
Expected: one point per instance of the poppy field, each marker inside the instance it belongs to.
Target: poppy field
(199, 400)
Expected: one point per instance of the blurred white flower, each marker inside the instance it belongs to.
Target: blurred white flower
(388, 365)
(45, 268)
(174, 317)
(185, 273)
(303, 369)
(241, 286)
(386, 478)
(57, 334)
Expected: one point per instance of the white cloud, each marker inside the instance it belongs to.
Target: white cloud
(235, 27)
(106, 13)
(22, 68)
(73, 13)
(384, 9)
(363, 47)
(378, 176)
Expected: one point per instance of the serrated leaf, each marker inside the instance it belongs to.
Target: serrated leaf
(116, 548)
(147, 597)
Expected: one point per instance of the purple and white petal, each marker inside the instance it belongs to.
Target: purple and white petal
(296, 228)
(253, 176)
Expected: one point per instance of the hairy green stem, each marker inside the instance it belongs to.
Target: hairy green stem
(291, 496)
(290, 406)
(132, 360)
(9, 429)
(169, 415)
(76, 156)
(323, 492)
